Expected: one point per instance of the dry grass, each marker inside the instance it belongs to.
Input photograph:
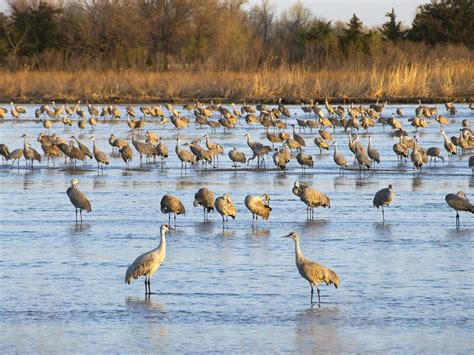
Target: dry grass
(437, 79)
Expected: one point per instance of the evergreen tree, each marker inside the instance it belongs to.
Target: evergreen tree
(391, 29)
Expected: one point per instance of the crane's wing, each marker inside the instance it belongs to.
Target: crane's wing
(140, 266)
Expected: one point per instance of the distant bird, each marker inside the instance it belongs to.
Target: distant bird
(281, 158)
(373, 153)
(237, 157)
(312, 272)
(161, 149)
(185, 156)
(311, 198)
(16, 155)
(434, 152)
(304, 160)
(258, 206)
(205, 198)
(459, 202)
(127, 154)
(83, 147)
(148, 263)
(384, 197)
(399, 112)
(4, 152)
(259, 150)
(99, 156)
(172, 205)
(448, 145)
(78, 199)
(339, 159)
(225, 206)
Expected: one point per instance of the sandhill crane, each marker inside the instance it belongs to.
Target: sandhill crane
(130, 111)
(215, 148)
(4, 152)
(373, 153)
(161, 149)
(401, 150)
(329, 107)
(321, 144)
(399, 112)
(117, 142)
(29, 153)
(99, 156)
(383, 197)
(259, 150)
(283, 109)
(82, 125)
(448, 145)
(325, 135)
(416, 156)
(142, 148)
(248, 108)
(339, 159)
(93, 111)
(78, 199)
(304, 160)
(312, 272)
(75, 153)
(237, 157)
(83, 147)
(50, 150)
(281, 158)
(202, 155)
(14, 112)
(298, 138)
(127, 154)
(272, 138)
(16, 155)
(311, 198)
(258, 206)
(442, 120)
(172, 205)
(434, 152)
(185, 156)
(205, 198)
(361, 156)
(459, 202)
(225, 206)
(148, 263)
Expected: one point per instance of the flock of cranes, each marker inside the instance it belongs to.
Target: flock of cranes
(201, 150)
(277, 119)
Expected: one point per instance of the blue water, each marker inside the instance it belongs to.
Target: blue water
(406, 284)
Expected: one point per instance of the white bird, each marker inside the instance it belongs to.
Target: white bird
(147, 263)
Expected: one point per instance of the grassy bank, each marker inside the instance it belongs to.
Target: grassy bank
(437, 80)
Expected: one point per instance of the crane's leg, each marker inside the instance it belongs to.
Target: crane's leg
(169, 219)
(319, 297)
(312, 291)
(80, 212)
(457, 219)
(175, 220)
(146, 283)
(76, 214)
(383, 215)
(223, 222)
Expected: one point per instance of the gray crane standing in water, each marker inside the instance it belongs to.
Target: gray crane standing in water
(172, 205)
(205, 198)
(312, 272)
(225, 206)
(78, 199)
(459, 202)
(384, 197)
(148, 263)
(258, 206)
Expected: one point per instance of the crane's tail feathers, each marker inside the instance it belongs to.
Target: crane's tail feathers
(332, 279)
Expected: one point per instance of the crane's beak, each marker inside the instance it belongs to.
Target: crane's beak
(286, 236)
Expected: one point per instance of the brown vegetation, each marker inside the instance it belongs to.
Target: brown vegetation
(436, 79)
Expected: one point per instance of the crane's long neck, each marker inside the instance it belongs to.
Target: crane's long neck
(162, 245)
(445, 137)
(335, 150)
(298, 254)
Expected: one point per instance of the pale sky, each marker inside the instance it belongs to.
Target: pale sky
(371, 12)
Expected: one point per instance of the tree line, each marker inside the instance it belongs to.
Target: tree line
(218, 35)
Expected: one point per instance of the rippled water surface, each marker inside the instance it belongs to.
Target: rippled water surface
(406, 285)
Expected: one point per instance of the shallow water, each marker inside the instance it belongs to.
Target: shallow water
(406, 284)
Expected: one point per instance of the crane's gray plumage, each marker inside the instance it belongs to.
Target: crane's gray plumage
(78, 199)
(172, 205)
(459, 202)
(384, 197)
(225, 206)
(205, 198)
(313, 272)
(148, 263)
(311, 197)
(99, 156)
(258, 206)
